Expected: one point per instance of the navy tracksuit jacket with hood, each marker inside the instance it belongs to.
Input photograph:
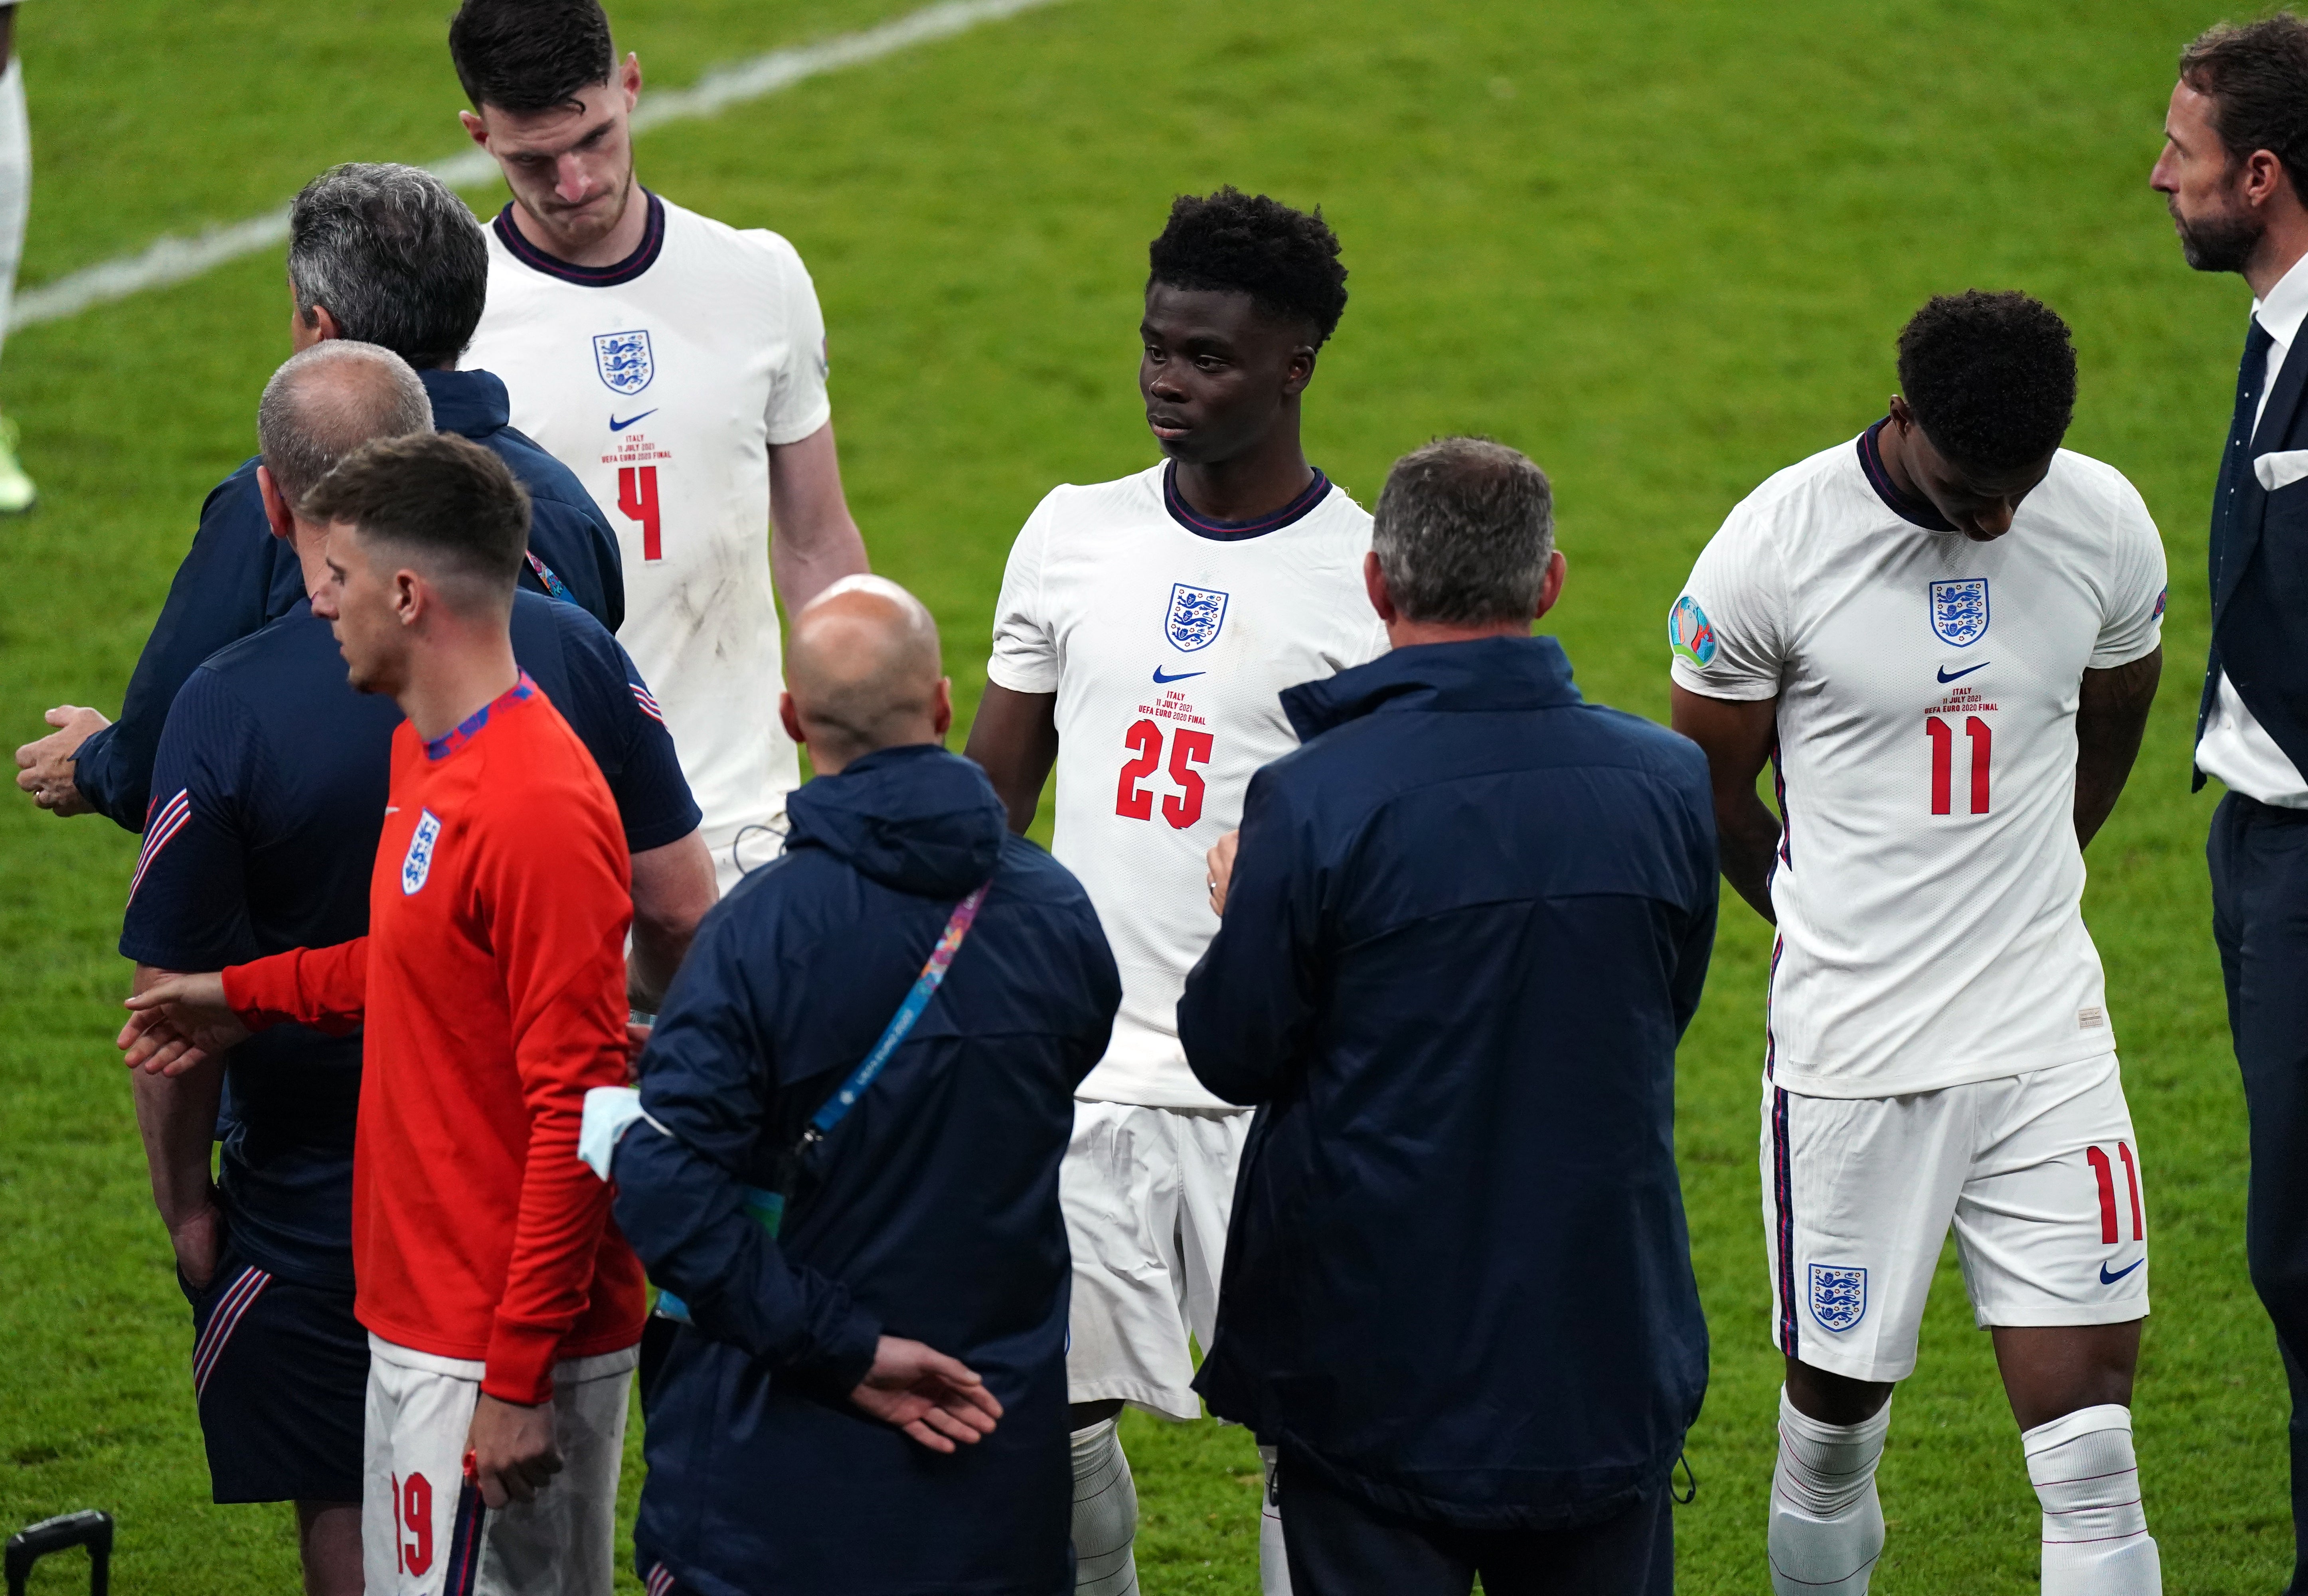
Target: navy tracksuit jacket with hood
(931, 1212)
(1468, 924)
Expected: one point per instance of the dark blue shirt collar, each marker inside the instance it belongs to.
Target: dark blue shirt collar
(1490, 673)
(1234, 531)
(1921, 513)
(466, 729)
(643, 257)
(469, 403)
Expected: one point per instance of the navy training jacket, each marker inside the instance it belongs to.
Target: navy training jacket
(237, 578)
(931, 1211)
(1468, 923)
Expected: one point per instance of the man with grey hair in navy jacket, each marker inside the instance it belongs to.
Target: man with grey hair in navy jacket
(1466, 925)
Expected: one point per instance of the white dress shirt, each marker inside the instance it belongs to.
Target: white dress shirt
(2235, 747)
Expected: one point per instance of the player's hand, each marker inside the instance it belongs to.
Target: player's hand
(1220, 863)
(637, 1036)
(198, 1239)
(178, 1022)
(45, 769)
(935, 1399)
(510, 1450)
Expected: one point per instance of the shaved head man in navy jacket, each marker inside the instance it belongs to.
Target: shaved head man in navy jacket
(1463, 928)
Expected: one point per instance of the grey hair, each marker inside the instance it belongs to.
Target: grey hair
(326, 403)
(394, 256)
(1464, 532)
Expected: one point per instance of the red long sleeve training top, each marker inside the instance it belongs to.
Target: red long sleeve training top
(492, 983)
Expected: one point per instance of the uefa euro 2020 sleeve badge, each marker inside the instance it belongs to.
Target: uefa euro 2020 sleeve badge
(417, 864)
(1838, 1295)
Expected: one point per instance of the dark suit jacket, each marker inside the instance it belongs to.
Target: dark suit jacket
(2260, 575)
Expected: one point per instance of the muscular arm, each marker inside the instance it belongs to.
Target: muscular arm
(672, 887)
(2111, 714)
(176, 1116)
(1737, 738)
(1014, 740)
(816, 543)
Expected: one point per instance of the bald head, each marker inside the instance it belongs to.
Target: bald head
(863, 673)
(326, 403)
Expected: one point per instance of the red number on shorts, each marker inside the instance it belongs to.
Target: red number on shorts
(1187, 749)
(1131, 802)
(417, 1512)
(1943, 736)
(2103, 1174)
(637, 497)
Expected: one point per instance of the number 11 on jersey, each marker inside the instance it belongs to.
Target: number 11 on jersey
(1943, 736)
(637, 497)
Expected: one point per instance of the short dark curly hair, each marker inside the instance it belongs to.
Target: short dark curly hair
(1991, 378)
(1287, 261)
(527, 55)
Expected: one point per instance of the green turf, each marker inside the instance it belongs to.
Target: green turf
(1665, 247)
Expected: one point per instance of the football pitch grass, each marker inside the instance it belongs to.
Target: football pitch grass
(1664, 247)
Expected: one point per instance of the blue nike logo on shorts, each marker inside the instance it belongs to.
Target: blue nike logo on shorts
(2106, 1278)
(1946, 675)
(617, 425)
(1182, 675)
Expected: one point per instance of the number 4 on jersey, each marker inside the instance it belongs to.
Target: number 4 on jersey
(637, 497)
(1187, 749)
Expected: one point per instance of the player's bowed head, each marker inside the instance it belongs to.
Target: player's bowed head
(863, 672)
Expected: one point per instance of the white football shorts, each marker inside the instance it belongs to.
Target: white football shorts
(1146, 1192)
(424, 1534)
(2039, 1174)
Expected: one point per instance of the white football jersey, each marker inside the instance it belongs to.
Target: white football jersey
(662, 382)
(1168, 639)
(1929, 884)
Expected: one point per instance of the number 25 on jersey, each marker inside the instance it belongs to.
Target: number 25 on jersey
(1188, 749)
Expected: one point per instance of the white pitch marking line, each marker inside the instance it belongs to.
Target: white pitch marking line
(172, 260)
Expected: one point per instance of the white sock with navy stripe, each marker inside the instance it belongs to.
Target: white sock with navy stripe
(1105, 1514)
(1827, 1527)
(2096, 1540)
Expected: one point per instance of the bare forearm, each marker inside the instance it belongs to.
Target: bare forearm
(1014, 740)
(2111, 717)
(673, 889)
(1747, 842)
(804, 567)
(815, 540)
(177, 1118)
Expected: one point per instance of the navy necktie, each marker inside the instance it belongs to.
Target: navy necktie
(2235, 463)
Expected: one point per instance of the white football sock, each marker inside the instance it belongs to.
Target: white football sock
(2096, 1540)
(1273, 1561)
(15, 179)
(1105, 1514)
(1827, 1527)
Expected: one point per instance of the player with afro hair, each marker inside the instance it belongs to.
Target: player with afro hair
(1287, 261)
(1214, 580)
(1992, 377)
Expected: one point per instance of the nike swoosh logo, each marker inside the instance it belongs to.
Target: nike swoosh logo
(1181, 677)
(1946, 676)
(617, 425)
(392, 809)
(2106, 1278)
